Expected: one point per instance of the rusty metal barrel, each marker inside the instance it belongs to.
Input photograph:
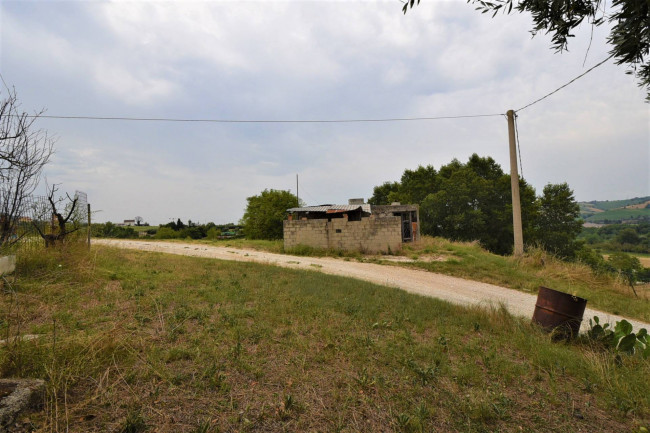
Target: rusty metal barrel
(559, 312)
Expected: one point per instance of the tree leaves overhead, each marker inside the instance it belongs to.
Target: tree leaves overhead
(630, 19)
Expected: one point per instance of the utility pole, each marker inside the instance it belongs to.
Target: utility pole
(89, 223)
(297, 198)
(514, 183)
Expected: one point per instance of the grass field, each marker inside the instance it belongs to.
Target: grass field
(614, 204)
(536, 268)
(135, 342)
(618, 215)
(143, 228)
(469, 260)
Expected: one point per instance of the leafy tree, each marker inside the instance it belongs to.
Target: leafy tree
(558, 223)
(110, 230)
(473, 202)
(628, 268)
(265, 213)
(213, 233)
(382, 193)
(192, 232)
(594, 260)
(417, 184)
(628, 236)
(166, 232)
(629, 19)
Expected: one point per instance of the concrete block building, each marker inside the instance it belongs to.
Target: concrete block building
(357, 226)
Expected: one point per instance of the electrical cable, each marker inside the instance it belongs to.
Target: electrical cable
(168, 119)
(563, 86)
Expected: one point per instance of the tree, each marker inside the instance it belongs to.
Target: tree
(473, 202)
(138, 220)
(24, 151)
(629, 35)
(266, 212)
(60, 226)
(558, 223)
(628, 268)
(628, 236)
(417, 184)
(381, 194)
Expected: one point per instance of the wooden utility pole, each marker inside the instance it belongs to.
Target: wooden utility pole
(297, 198)
(514, 183)
(89, 229)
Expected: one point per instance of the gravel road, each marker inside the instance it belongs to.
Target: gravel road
(452, 289)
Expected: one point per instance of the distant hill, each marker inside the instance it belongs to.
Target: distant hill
(616, 211)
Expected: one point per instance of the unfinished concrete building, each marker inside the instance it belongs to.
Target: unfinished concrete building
(357, 226)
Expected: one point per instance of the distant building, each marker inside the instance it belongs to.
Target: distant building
(129, 223)
(356, 226)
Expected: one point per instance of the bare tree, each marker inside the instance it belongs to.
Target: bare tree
(60, 225)
(24, 151)
(138, 220)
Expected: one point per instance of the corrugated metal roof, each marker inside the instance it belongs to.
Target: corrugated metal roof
(328, 207)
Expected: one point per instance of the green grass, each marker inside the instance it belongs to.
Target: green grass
(535, 269)
(136, 341)
(470, 261)
(618, 215)
(143, 228)
(614, 204)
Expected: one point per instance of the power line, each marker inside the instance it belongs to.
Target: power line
(168, 119)
(375, 120)
(563, 86)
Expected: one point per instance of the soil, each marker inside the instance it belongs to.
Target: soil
(5, 390)
(452, 289)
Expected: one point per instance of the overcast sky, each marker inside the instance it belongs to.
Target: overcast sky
(303, 60)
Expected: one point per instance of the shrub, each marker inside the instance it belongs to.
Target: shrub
(166, 233)
(190, 232)
(213, 233)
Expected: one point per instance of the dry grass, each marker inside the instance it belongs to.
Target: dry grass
(537, 268)
(136, 342)
(468, 260)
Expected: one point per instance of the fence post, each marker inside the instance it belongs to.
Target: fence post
(88, 225)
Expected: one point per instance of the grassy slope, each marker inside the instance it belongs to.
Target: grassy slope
(614, 204)
(143, 228)
(468, 260)
(618, 215)
(186, 344)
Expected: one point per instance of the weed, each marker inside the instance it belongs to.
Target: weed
(363, 379)
(134, 423)
(424, 374)
(288, 406)
(203, 427)
(621, 338)
(403, 422)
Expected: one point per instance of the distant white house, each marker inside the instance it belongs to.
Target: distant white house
(129, 223)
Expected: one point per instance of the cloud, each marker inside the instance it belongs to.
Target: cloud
(309, 60)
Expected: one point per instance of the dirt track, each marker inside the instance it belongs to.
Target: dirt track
(452, 289)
